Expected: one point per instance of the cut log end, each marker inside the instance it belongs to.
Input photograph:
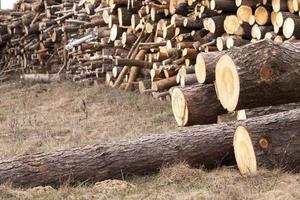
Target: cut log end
(220, 43)
(245, 14)
(227, 83)
(114, 32)
(179, 107)
(229, 43)
(231, 24)
(261, 15)
(200, 69)
(238, 3)
(255, 32)
(276, 5)
(288, 27)
(279, 19)
(244, 152)
(295, 5)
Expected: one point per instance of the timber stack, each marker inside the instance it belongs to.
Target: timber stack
(147, 46)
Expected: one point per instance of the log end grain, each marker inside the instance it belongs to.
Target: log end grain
(179, 107)
(200, 69)
(227, 83)
(231, 24)
(288, 28)
(244, 151)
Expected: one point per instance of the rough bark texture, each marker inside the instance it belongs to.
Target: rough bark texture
(268, 73)
(208, 146)
(199, 145)
(260, 111)
(256, 112)
(277, 142)
(210, 59)
(203, 107)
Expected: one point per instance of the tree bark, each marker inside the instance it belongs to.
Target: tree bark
(205, 66)
(197, 104)
(248, 79)
(196, 146)
(256, 112)
(208, 146)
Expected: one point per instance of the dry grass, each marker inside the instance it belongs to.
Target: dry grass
(47, 117)
(176, 182)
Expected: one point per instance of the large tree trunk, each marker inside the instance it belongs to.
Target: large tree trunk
(197, 104)
(276, 144)
(207, 146)
(259, 74)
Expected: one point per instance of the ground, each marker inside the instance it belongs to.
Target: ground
(42, 118)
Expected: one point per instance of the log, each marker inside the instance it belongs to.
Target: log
(235, 42)
(251, 3)
(41, 78)
(291, 27)
(259, 32)
(245, 14)
(262, 16)
(224, 5)
(256, 112)
(164, 84)
(260, 111)
(275, 145)
(208, 146)
(231, 24)
(279, 5)
(247, 79)
(197, 146)
(205, 66)
(196, 104)
(130, 62)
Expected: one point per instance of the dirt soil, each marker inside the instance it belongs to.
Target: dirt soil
(41, 118)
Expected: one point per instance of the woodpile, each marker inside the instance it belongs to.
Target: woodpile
(232, 62)
(128, 44)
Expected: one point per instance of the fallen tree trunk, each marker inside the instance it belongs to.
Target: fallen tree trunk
(198, 146)
(208, 146)
(273, 145)
(259, 74)
(197, 104)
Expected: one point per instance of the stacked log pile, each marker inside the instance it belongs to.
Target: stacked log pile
(146, 46)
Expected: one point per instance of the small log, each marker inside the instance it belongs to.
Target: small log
(205, 66)
(245, 14)
(262, 16)
(291, 27)
(41, 78)
(279, 5)
(197, 104)
(259, 32)
(164, 84)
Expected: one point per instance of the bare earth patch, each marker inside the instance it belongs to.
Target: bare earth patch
(36, 118)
